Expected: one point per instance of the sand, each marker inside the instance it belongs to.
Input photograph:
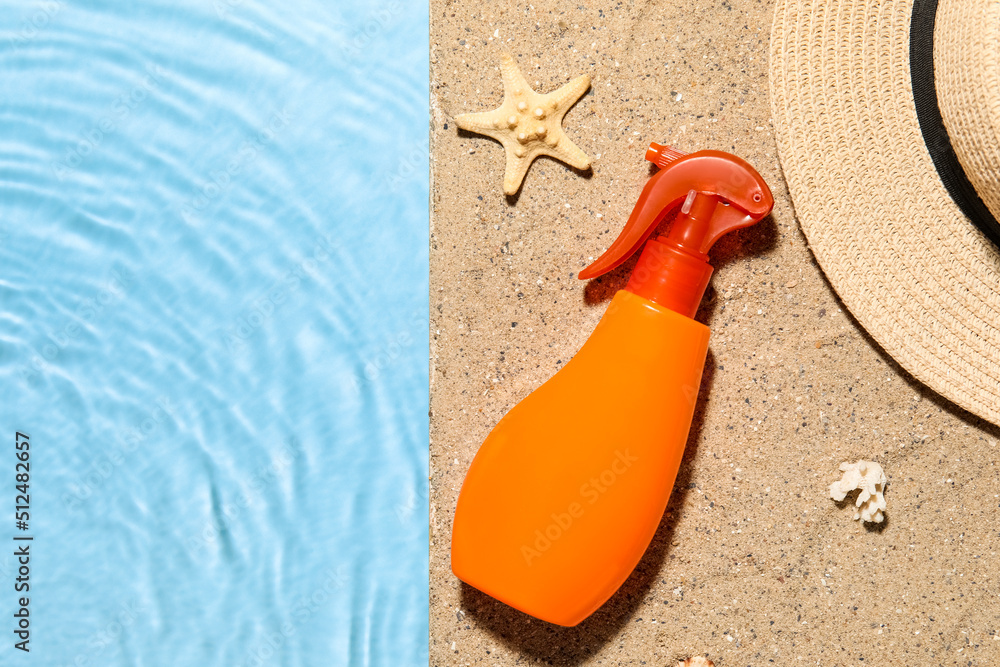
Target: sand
(753, 564)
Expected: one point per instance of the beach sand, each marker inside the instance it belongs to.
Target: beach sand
(752, 564)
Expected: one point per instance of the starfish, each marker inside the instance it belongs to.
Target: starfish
(528, 124)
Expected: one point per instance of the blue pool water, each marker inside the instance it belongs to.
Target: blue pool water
(213, 329)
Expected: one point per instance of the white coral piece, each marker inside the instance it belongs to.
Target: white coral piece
(870, 478)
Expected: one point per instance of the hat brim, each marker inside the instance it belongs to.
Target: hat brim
(913, 270)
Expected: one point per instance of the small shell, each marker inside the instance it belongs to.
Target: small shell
(696, 661)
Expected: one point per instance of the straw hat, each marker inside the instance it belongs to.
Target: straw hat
(888, 121)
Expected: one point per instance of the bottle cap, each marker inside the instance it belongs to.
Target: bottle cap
(717, 193)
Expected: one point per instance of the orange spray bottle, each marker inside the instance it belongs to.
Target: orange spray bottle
(566, 492)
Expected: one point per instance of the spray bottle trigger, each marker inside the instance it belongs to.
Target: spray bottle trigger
(725, 178)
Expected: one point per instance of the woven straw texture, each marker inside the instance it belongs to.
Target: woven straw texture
(967, 76)
(911, 268)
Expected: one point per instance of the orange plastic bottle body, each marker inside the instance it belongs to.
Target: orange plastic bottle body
(567, 491)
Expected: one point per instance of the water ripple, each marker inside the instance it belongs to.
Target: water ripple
(213, 234)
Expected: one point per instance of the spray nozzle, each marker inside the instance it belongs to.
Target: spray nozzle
(717, 193)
